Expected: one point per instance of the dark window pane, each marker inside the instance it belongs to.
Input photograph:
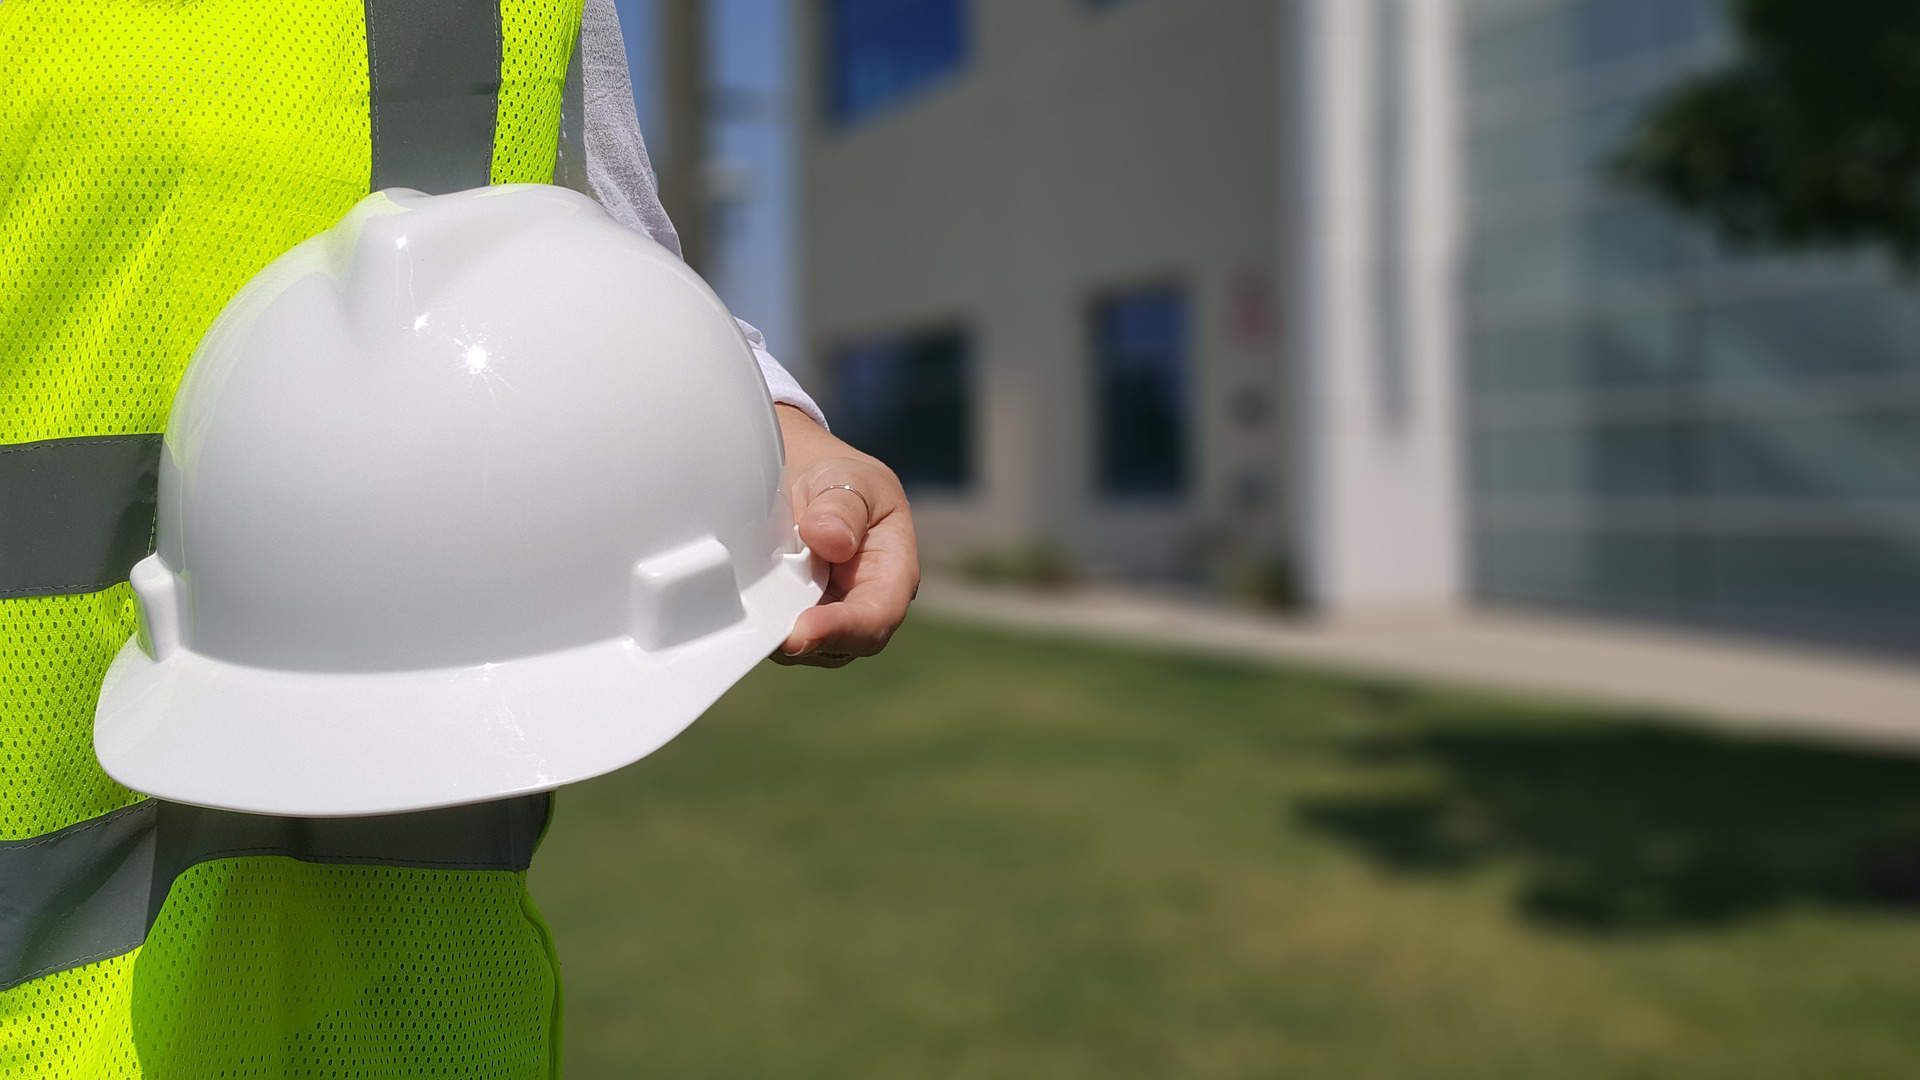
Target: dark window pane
(1140, 372)
(905, 400)
(1581, 568)
(1564, 255)
(1865, 578)
(881, 51)
(1558, 147)
(1868, 451)
(1641, 458)
(1519, 43)
(1873, 330)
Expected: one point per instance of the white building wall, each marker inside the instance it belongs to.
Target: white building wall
(1079, 151)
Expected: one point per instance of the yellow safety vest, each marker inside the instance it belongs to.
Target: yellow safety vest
(154, 154)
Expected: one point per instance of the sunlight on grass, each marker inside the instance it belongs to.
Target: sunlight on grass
(996, 856)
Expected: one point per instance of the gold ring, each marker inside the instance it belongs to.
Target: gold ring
(856, 494)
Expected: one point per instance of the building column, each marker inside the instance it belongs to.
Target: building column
(1370, 241)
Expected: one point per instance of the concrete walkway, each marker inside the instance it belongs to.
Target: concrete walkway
(1732, 682)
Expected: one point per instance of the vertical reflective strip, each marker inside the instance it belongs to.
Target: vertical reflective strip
(570, 158)
(75, 896)
(75, 514)
(433, 75)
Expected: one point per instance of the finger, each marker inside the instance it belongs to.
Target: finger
(841, 628)
(856, 627)
(876, 587)
(834, 524)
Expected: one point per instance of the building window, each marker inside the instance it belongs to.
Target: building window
(906, 401)
(883, 51)
(1141, 354)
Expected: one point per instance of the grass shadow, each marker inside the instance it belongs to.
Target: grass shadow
(1635, 827)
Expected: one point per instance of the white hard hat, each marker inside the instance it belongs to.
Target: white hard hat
(470, 496)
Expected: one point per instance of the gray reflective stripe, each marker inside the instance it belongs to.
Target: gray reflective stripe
(75, 514)
(91, 890)
(486, 836)
(570, 157)
(433, 74)
(75, 896)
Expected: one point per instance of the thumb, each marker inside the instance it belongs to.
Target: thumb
(833, 520)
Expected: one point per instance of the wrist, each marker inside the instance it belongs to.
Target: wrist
(806, 441)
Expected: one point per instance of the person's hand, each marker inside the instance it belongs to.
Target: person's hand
(852, 513)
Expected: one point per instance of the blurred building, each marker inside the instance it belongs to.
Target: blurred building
(1662, 425)
(1342, 285)
(1047, 249)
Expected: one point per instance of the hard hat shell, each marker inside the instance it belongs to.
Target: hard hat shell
(470, 496)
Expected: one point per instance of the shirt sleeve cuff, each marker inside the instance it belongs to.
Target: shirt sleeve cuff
(786, 390)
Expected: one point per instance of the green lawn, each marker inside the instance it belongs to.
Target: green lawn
(995, 856)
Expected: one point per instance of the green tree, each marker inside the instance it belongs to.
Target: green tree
(1811, 137)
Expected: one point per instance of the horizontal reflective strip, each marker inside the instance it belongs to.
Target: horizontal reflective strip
(91, 890)
(75, 896)
(433, 81)
(485, 836)
(75, 514)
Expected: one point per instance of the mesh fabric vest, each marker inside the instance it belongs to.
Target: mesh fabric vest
(153, 156)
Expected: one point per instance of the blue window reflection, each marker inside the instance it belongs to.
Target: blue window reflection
(1141, 346)
(883, 51)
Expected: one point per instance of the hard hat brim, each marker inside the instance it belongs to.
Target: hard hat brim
(196, 730)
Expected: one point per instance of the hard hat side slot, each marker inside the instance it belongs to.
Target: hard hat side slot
(159, 602)
(683, 594)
